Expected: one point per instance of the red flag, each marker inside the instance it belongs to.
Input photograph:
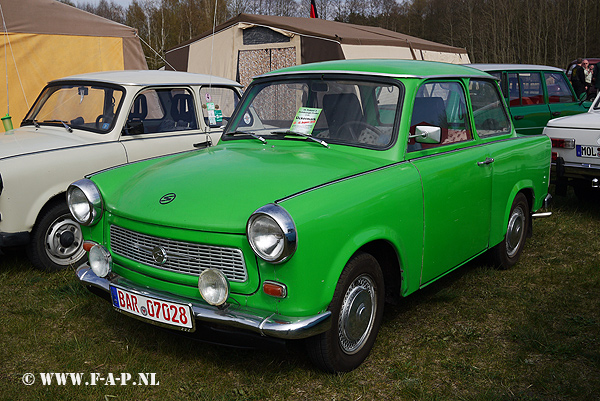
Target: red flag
(313, 9)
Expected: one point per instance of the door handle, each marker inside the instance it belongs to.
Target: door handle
(519, 117)
(488, 160)
(202, 145)
(556, 113)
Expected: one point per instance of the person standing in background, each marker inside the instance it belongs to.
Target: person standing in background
(578, 78)
(588, 70)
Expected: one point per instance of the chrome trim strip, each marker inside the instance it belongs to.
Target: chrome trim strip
(263, 322)
(58, 149)
(408, 160)
(336, 181)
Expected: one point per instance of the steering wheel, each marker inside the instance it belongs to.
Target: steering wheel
(360, 132)
(98, 120)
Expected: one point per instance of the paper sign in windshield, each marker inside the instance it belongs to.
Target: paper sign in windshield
(305, 120)
(214, 114)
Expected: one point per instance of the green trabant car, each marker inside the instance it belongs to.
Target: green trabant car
(336, 187)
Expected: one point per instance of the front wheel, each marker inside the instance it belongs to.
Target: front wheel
(507, 253)
(356, 312)
(56, 240)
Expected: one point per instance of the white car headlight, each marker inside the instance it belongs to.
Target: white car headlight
(213, 286)
(85, 202)
(272, 233)
(100, 260)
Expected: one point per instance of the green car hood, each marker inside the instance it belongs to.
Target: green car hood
(217, 189)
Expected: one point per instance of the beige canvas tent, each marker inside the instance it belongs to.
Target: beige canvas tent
(45, 39)
(249, 45)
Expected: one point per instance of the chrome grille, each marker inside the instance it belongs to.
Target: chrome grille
(182, 257)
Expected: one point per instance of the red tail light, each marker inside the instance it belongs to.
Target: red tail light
(565, 143)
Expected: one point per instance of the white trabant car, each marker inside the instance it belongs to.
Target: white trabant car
(576, 151)
(89, 122)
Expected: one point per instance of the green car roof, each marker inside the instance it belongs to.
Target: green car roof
(386, 67)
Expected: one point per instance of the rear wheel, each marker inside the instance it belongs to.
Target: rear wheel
(507, 253)
(356, 311)
(56, 240)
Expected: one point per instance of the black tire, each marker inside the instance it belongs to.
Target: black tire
(584, 191)
(356, 312)
(56, 240)
(507, 253)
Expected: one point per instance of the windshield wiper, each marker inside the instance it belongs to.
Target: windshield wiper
(312, 138)
(34, 122)
(252, 134)
(60, 121)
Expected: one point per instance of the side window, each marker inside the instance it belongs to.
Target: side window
(532, 91)
(162, 110)
(218, 105)
(514, 90)
(502, 82)
(440, 104)
(387, 102)
(559, 90)
(489, 112)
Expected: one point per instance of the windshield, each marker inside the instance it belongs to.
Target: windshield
(78, 106)
(349, 111)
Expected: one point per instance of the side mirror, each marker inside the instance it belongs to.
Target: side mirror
(427, 134)
(582, 97)
(133, 128)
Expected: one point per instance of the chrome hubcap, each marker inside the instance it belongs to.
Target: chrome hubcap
(515, 231)
(64, 241)
(357, 314)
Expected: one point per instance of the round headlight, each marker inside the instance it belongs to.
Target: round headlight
(100, 260)
(272, 233)
(213, 286)
(85, 202)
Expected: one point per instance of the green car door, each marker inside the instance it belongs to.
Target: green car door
(527, 103)
(456, 179)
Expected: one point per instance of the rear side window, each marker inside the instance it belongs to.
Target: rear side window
(532, 91)
(559, 90)
(525, 89)
(489, 112)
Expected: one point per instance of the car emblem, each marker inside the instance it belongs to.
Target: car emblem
(168, 198)
(159, 255)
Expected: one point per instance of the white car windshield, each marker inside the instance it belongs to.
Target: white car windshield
(91, 107)
(350, 111)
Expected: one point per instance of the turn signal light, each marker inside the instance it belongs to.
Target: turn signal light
(568, 143)
(87, 245)
(554, 156)
(274, 289)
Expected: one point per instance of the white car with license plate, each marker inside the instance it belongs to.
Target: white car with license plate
(576, 151)
(86, 123)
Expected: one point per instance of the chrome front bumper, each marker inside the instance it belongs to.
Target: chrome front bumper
(258, 321)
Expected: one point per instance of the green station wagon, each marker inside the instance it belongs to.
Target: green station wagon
(336, 187)
(535, 94)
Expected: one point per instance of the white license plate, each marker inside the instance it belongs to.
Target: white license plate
(588, 151)
(164, 312)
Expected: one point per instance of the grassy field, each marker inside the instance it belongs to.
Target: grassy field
(529, 333)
